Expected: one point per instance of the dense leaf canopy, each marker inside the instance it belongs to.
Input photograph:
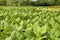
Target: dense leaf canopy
(29, 23)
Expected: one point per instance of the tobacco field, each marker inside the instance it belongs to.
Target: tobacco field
(29, 23)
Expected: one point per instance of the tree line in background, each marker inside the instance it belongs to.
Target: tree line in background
(29, 2)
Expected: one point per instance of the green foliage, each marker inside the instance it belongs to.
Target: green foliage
(29, 23)
(29, 2)
(3, 2)
(50, 2)
(58, 2)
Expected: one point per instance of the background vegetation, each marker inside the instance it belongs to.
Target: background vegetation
(29, 2)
